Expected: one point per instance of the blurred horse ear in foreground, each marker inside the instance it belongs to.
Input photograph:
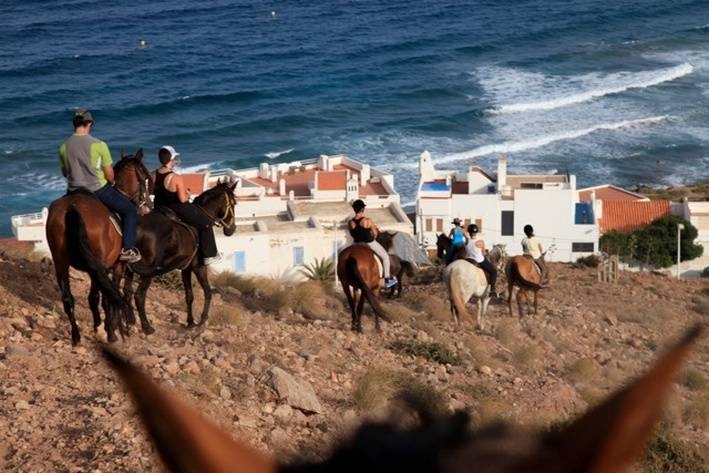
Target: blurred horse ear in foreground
(607, 439)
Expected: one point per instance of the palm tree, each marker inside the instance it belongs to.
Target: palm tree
(319, 270)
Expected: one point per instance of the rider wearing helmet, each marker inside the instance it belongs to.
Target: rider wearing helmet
(459, 237)
(85, 161)
(533, 248)
(475, 250)
(363, 230)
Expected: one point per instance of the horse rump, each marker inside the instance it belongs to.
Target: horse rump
(354, 274)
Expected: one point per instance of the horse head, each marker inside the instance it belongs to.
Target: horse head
(219, 202)
(443, 242)
(133, 179)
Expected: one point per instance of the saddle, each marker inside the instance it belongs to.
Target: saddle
(380, 263)
(113, 217)
(536, 264)
(172, 216)
(476, 264)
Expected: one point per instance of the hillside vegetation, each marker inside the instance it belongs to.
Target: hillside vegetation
(62, 409)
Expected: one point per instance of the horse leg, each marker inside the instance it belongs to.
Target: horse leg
(140, 294)
(108, 323)
(189, 295)
(360, 307)
(520, 292)
(94, 301)
(62, 271)
(510, 288)
(351, 302)
(535, 302)
(203, 278)
(128, 296)
(480, 313)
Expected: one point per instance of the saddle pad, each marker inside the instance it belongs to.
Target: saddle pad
(116, 221)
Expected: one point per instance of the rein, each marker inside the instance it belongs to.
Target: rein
(140, 197)
(228, 214)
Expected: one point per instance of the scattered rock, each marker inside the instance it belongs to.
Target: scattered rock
(297, 393)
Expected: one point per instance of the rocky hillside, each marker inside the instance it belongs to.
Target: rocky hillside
(62, 409)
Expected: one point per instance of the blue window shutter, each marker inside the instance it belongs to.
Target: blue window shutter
(240, 261)
(298, 255)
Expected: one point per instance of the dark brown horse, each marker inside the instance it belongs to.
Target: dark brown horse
(80, 235)
(523, 272)
(168, 244)
(358, 272)
(443, 246)
(608, 438)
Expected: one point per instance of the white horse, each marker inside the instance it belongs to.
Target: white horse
(465, 280)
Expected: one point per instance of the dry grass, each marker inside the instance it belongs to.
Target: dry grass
(694, 380)
(583, 371)
(377, 388)
(432, 351)
(223, 315)
(696, 412)
(507, 332)
(666, 454)
(528, 358)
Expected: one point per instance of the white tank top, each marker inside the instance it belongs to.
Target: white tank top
(474, 252)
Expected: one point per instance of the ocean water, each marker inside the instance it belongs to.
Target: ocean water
(614, 92)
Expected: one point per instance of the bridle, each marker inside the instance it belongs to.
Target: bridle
(227, 219)
(141, 197)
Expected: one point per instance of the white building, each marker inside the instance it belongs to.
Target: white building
(288, 214)
(501, 204)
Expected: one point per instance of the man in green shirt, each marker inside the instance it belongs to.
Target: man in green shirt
(87, 165)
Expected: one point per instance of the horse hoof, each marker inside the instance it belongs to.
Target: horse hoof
(148, 329)
(112, 337)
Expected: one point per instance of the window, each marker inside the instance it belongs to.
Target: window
(508, 222)
(531, 185)
(298, 255)
(439, 224)
(479, 223)
(429, 225)
(239, 261)
(582, 247)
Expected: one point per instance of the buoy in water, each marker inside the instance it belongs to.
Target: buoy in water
(142, 44)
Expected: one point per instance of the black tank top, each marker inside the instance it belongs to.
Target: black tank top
(162, 195)
(361, 234)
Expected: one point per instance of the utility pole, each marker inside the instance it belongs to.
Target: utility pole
(680, 227)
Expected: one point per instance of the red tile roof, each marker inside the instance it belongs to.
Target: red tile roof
(194, 182)
(627, 216)
(608, 192)
(331, 180)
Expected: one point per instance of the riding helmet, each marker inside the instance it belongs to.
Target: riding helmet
(472, 228)
(358, 205)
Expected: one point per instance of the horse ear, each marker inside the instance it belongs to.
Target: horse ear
(610, 437)
(139, 154)
(186, 440)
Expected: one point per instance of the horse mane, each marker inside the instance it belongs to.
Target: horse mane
(210, 194)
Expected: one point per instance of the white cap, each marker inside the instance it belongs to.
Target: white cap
(173, 154)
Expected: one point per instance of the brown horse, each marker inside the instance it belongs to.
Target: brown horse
(523, 272)
(168, 244)
(609, 438)
(358, 272)
(81, 235)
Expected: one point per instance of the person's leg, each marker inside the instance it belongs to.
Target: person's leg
(117, 202)
(492, 271)
(381, 252)
(543, 267)
(190, 214)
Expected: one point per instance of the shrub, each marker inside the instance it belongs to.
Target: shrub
(171, 280)
(319, 270)
(591, 261)
(694, 380)
(431, 351)
(665, 454)
(378, 387)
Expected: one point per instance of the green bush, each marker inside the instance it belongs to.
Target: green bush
(432, 351)
(319, 270)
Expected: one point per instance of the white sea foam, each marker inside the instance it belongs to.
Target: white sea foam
(595, 86)
(195, 168)
(275, 154)
(540, 141)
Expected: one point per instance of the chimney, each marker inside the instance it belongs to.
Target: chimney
(282, 186)
(501, 172)
(364, 175)
(274, 174)
(263, 170)
(426, 171)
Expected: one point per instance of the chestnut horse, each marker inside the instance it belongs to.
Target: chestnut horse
(608, 438)
(358, 272)
(80, 235)
(523, 272)
(168, 244)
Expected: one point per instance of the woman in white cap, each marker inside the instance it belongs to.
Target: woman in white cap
(171, 192)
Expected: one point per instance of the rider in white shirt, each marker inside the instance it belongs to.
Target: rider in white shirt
(475, 250)
(533, 248)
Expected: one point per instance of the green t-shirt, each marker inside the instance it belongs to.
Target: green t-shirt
(83, 157)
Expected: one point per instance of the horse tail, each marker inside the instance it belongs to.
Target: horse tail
(457, 299)
(78, 240)
(353, 270)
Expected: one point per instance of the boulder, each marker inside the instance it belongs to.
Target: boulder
(298, 393)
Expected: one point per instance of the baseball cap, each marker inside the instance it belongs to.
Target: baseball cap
(84, 114)
(173, 154)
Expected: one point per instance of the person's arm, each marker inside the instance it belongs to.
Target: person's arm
(541, 248)
(108, 173)
(480, 244)
(180, 189)
(62, 160)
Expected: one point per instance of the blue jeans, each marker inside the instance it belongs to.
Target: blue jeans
(119, 203)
